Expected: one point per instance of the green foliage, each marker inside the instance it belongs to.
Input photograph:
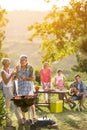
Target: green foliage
(81, 56)
(2, 109)
(82, 65)
(60, 30)
(83, 45)
(3, 22)
(37, 76)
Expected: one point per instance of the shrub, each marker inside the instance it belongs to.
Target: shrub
(37, 75)
(2, 108)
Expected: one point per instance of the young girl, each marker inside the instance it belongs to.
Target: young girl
(59, 80)
(59, 83)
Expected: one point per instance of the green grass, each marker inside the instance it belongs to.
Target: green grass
(66, 120)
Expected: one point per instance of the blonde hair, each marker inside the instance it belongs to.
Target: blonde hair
(5, 60)
(45, 63)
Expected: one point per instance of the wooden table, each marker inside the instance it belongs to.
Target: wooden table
(49, 92)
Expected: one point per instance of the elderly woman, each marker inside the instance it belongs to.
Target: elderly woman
(7, 76)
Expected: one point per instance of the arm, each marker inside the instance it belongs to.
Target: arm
(5, 79)
(30, 77)
(41, 79)
(31, 74)
(50, 86)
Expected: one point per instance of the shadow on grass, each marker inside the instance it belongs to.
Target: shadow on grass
(72, 123)
(22, 127)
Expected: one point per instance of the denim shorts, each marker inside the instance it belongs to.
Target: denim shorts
(76, 97)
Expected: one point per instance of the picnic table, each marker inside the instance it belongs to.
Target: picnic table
(38, 103)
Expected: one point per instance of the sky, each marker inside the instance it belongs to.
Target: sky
(38, 5)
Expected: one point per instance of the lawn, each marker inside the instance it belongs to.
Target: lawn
(67, 119)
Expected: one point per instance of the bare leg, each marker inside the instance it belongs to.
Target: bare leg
(46, 97)
(23, 114)
(82, 99)
(33, 114)
(71, 101)
(23, 117)
(33, 111)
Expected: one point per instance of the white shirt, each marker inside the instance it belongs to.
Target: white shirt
(59, 78)
(10, 83)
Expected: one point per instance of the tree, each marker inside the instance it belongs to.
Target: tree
(82, 56)
(83, 45)
(82, 65)
(60, 30)
(3, 22)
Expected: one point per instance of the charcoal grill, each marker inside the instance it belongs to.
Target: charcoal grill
(24, 102)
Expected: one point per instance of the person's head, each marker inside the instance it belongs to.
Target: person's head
(23, 60)
(78, 78)
(5, 62)
(59, 72)
(45, 65)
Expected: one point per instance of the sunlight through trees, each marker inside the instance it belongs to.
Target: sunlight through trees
(61, 30)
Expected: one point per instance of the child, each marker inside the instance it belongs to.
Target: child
(59, 83)
(59, 80)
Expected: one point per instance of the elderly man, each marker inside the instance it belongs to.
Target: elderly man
(25, 75)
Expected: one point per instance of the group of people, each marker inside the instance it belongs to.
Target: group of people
(24, 73)
(77, 89)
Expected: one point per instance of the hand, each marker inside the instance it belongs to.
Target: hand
(32, 79)
(77, 93)
(23, 77)
(12, 75)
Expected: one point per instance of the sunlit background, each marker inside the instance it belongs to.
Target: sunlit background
(39, 5)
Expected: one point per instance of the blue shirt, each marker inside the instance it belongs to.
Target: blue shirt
(81, 86)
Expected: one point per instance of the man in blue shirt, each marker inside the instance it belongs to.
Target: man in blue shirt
(81, 88)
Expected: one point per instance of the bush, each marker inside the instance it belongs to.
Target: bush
(37, 75)
(2, 109)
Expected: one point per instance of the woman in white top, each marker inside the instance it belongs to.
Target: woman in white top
(7, 75)
(7, 79)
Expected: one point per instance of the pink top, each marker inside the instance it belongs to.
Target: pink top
(45, 75)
